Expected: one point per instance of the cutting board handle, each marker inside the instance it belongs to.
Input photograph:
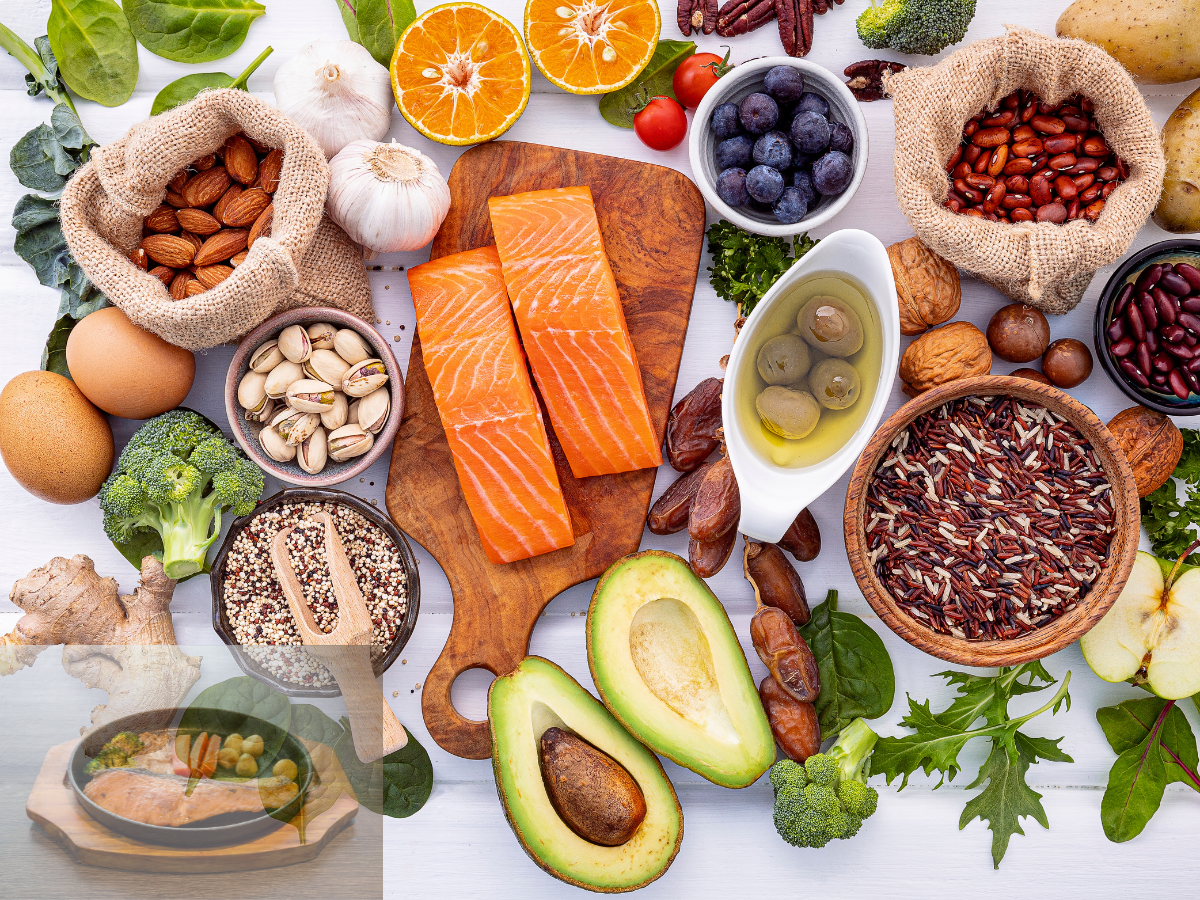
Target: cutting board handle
(453, 731)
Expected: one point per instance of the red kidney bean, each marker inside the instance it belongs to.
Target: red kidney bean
(994, 197)
(1090, 195)
(1143, 356)
(1122, 169)
(1108, 189)
(999, 161)
(1052, 212)
(1148, 278)
(962, 170)
(1062, 161)
(1152, 341)
(1017, 201)
(1123, 299)
(1182, 351)
(1083, 182)
(955, 158)
(1039, 189)
(967, 191)
(1191, 340)
(1116, 330)
(1164, 363)
(1190, 274)
(1193, 383)
(972, 153)
(1095, 145)
(1048, 124)
(1076, 123)
(1065, 187)
(1060, 143)
(1124, 347)
(1083, 166)
(1023, 133)
(1029, 110)
(1159, 379)
(991, 137)
(1011, 101)
(1149, 311)
(1176, 284)
(1137, 327)
(1021, 214)
(1002, 119)
(1073, 209)
(1194, 365)
(1018, 166)
(1107, 173)
(1018, 184)
(1168, 312)
(1178, 385)
(1131, 369)
(1086, 105)
(981, 164)
(980, 182)
(1039, 162)
(1191, 304)
(1190, 321)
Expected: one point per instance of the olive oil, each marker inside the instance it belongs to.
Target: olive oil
(835, 427)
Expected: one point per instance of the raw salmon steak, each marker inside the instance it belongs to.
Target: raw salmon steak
(565, 298)
(486, 402)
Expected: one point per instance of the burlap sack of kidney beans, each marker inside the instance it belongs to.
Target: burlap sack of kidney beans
(306, 261)
(1040, 263)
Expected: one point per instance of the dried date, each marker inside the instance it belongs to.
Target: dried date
(693, 430)
(774, 580)
(785, 653)
(866, 78)
(718, 503)
(803, 538)
(670, 512)
(707, 559)
(794, 723)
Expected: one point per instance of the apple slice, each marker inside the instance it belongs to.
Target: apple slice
(1152, 633)
(180, 753)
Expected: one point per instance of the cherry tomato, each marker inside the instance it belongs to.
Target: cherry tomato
(661, 125)
(694, 77)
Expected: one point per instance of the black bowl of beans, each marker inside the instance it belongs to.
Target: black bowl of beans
(251, 615)
(1147, 327)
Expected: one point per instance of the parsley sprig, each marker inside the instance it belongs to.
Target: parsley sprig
(1170, 522)
(746, 265)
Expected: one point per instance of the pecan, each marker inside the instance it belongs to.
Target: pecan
(697, 16)
(741, 16)
(787, 14)
(866, 77)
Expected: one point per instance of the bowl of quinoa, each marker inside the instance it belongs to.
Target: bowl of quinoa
(992, 521)
(250, 612)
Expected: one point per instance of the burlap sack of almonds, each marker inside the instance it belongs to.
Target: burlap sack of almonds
(1043, 264)
(306, 260)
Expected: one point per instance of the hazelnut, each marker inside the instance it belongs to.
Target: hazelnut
(927, 286)
(1018, 333)
(1067, 363)
(1031, 374)
(957, 350)
(1151, 443)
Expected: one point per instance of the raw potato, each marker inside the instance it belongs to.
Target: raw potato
(1178, 209)
(1158, 41)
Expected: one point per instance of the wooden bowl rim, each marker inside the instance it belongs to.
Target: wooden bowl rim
(1049, 638)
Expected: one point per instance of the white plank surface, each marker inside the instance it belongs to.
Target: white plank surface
(459, 844)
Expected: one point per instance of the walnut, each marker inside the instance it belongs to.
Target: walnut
(927, 286)
(957, 350)
(1151, 443)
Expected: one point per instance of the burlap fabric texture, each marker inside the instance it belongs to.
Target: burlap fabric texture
(1040, 263)
(306, 261)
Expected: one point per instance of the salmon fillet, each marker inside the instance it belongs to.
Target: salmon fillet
(486, 402)
(567, 307)
(155, 799)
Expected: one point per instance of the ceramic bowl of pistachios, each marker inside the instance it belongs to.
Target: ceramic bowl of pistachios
(314, 396)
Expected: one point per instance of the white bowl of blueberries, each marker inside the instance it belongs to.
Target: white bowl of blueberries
(778, 145)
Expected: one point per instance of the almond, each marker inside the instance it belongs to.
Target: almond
(244, 210)
(176, 200)
(261, 226)
(240, 160)
(206, 188)
(238, 258)
(204, 163)
(179, 283)
(193, 287)
(211, 276)
(139, 258)
(192, 239)
(169, 250)
(220, 246)
(257, 145)
(268, 171)
(178, 181)
(218, 211)
(197, 221)
(162, 220)
(165, 274)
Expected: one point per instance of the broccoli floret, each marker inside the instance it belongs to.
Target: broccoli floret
(826, 798)
(108, 758)
(128, 743)
(176, 476)
(926, 27)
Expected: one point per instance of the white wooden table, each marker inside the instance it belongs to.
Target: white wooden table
(459, 844)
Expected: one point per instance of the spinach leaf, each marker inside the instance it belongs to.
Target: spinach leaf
(618, 107)
(54, 356)
(380, 24)
(186, 88)
(192, 31)
(310, 723)
(41, 66)
(857, 678)
(397, 785)
(95, 49)
(231, 706)
(349, 18)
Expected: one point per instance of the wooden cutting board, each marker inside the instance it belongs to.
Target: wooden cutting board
(652, 221)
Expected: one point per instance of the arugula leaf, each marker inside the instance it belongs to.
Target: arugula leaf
(397, 785)
(192, 31)
(186, 88)
(95, 49)
(1006, 799)
(380, 24)
(1170, 523)
(746, 265)
(857, 678)
(619, 107)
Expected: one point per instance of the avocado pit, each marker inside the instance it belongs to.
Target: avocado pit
(592, 793)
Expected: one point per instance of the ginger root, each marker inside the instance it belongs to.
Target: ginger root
(123, 645)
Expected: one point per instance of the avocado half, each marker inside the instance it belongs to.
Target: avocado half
(539, 695)
(670, 668)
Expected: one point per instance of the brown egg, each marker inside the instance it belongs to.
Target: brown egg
(125, 370)
(54, 442)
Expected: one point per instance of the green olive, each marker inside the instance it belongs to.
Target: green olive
(788, 413)
(228, 758)
(234, 743)
(784, 360)
(253, 745)
(834, 383)
(247, 766)
(831, 326)
(285, 768)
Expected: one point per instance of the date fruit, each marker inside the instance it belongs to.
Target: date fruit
(774, 580)
(803, 537)
(785, 653)
(794, 724)
(718, 503)
(707, 559)
(670, 512)
(694, 425)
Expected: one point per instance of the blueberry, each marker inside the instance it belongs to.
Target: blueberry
(803, 161)
(811, 102)
(773, 149)
(804, 184)
(832, 173)
(791, 207)
(725, 122)
(841, 138)
(731, 187)
(764, 184)
(734, 153)
(784, 83)
(758, 113)
(810, 133)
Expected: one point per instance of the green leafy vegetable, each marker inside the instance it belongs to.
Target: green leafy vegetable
(186, 88)
(619, 107)
(746, 265)
(1169, 522)
(380, 24)
(311, 723)
(397, 785)
(1155, 747)
(54, 356)
(857, 678)
(95, 49)
(233, 706)
(192, 31)
(40, 243)
(349, 18)
(938, 738)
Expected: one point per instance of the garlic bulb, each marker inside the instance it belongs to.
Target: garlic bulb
(337, 92)
(387, 197)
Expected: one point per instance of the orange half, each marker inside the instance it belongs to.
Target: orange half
(591, 46)
(460, 74)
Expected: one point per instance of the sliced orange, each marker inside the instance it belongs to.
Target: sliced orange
(591, 46)
(460, 74)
